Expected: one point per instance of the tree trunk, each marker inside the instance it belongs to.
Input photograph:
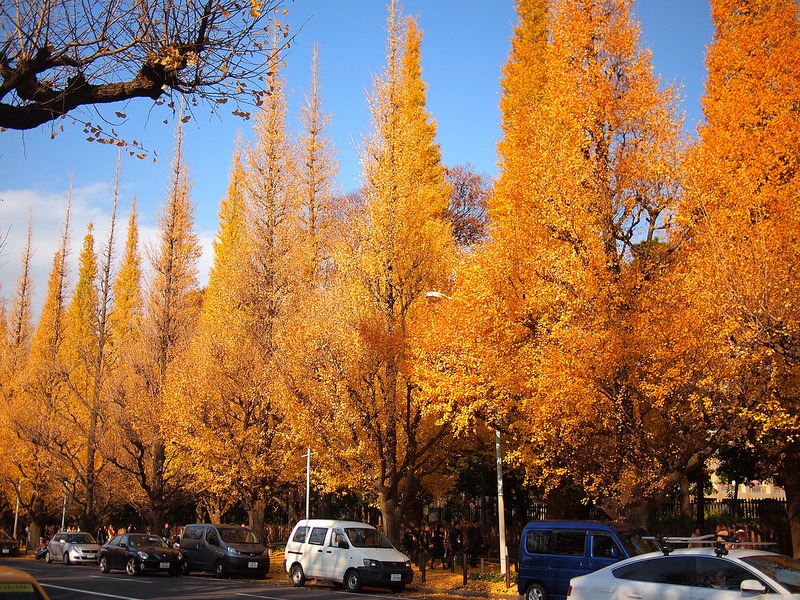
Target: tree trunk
(791, 481)
(391, 521)
(256, 514)
(686, 503)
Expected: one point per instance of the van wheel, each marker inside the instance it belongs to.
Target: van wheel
(353, 581)
(219, 569)
(536, 592)
(297, 575)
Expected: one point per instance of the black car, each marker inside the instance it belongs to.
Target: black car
(140, 553)
(8, 545)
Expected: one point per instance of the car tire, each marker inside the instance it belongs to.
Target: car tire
(185, 569)
(66, 557)
(536, 591)
(219, 569)
(352, 580)
(130, 567)
(297, 575)
(104, 565)
(47, 558)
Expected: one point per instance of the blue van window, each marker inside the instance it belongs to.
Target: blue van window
(569, 543)
(604, 546)
(537, 542)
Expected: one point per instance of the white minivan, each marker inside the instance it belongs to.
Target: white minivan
(347, 553)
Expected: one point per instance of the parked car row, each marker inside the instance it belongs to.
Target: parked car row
(585, 560)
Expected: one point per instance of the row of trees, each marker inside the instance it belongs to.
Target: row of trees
(632, 311)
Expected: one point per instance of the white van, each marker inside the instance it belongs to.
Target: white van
(347, 553)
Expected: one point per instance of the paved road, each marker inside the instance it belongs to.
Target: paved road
(84, 582)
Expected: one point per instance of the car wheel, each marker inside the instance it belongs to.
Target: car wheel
(47, 558)
(536, 592)
(219, 569)
(66, 557)
(185, 569)
(104, 565)
(353, 581)
(130, 566)
(297, 575)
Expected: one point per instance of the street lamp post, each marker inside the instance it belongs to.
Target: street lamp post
(16, 512)
(64, 505)
(308, 483)
(501, 510)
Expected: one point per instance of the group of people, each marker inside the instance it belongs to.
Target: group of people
(445, 546)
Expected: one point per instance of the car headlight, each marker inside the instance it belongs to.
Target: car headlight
(232, 550)
(372, 563)
(408, 564)
(142, 555)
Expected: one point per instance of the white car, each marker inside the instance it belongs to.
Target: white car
(72, 547)
(693, 574)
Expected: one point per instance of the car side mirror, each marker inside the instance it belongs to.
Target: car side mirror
(344, 545)
(753, 586)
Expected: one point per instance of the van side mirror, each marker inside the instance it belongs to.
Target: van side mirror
(344, 545)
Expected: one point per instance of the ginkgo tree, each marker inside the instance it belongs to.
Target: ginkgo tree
(743, 208)
(372, 428)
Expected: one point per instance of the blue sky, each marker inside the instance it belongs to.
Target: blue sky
(465, 44)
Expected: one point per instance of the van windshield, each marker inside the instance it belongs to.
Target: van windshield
(637, 542)
(239, 535)
(366, 537)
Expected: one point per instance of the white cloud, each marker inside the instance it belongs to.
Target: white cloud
(47, 211)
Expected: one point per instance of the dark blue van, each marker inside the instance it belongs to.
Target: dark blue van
(553, 552)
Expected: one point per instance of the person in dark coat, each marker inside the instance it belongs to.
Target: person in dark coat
(437, 546)
(474, 546)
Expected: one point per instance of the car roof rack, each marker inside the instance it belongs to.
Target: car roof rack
(720, 545)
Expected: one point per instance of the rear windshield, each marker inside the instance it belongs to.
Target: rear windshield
(637, 542)
(366, 537)
(240, 535)
(782, 569)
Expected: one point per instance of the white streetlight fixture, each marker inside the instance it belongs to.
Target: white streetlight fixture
(501, 509)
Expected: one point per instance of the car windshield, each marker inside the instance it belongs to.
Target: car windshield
(238, 535)
(638, 542)
(782, 569)
(366, 537)
(80, 538)
(4, 536)
(149, 541)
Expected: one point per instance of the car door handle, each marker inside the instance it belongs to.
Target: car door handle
(320, 550)
(327, 551)
(634, 595)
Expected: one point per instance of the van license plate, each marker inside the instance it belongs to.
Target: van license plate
(252, 565)
(164, 565)
(397, 577)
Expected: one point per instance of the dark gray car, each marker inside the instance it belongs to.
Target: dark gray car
(223, 550)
